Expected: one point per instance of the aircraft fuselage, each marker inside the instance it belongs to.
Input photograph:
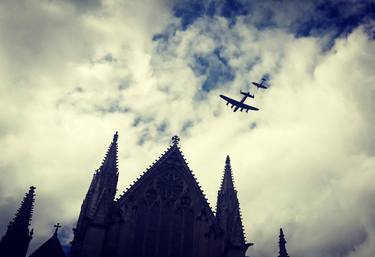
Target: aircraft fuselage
(242, 101)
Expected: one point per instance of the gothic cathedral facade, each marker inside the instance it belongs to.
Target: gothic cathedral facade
(163, 214)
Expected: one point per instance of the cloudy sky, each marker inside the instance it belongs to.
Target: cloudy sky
(73, 72)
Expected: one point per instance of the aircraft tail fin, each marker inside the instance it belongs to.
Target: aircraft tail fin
(247, 94)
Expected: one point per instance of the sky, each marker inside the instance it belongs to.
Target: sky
(74, 72)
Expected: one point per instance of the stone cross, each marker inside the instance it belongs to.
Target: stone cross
(175, 140)
(57, 226)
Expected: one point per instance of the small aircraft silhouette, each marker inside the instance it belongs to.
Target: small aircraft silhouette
(240, 104)
(260, 84)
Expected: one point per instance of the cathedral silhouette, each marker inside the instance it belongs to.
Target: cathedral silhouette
(163, 214)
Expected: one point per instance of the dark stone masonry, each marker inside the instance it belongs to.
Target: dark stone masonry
(163, 214)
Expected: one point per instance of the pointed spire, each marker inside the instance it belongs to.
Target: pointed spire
(227, 184)
(110, 159)
(282, 242)
(115, 137)
(16, 240)
(228, 214)
(24, 214)
(99, 199)
(107, 174)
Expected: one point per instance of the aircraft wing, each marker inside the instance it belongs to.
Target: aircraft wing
(247, 107)
(230, 100)
(259, 85)
(238, 104)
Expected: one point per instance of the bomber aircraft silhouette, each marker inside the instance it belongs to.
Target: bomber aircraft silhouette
(240, 104)
(260, 84)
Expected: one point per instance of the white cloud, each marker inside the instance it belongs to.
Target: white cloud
(307, 166)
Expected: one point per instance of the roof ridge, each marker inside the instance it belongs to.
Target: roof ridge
(172, 148)
(144, 173)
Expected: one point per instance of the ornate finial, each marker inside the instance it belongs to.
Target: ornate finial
(175, 140)
(227, 161)
(57, 226)
(115, 137)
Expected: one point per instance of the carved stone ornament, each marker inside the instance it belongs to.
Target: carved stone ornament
(170, 186)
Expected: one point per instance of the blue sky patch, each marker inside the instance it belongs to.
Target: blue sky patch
(315, 18)
(338, 18)
(216, 69)
(190, 11)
